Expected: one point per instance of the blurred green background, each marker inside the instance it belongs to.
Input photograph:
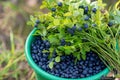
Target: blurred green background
(14, 15)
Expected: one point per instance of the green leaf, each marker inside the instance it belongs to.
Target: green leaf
(56, 22)
(44, 32)
(76, 13)
(78, 55)
(68, 14)
(57, 59)
(71, 8)
(53, 39)
(50, 26)
(51, 64)
(68, 50)
(61, 48)
(83, 56)
(67, 21)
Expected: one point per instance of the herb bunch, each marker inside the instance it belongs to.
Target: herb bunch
(74, 27)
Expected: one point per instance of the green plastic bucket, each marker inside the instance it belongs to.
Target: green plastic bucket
(42, 75)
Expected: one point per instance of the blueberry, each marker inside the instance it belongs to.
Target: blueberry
(34, 51)
(74, 28)
(66, 75)
(35, 61)
(57, 66)
(90, 70)
(86, 18)
(45, 55)
(34, 47)
(39, 54)
(40, 64)
(84, 72)
(37, 58)
(33, 56)
(69, 30)
(110, 24)
(86, 10)
(63, 58)
(44, 67)
(81, 62)
(36, 25)
(53, 9)
(47, 45)
(41, 48)
(37, 21)
(62, 42)
(80, 29)
(94, 10)
(90, 64)
(94, 25)
(45, 41)
(85, 25)
(63, 66)
(82, 76)
(92, 59)
(60, 4)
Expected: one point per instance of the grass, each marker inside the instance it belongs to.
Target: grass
(13, 65)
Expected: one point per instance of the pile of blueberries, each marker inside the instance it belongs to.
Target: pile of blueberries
(66, 68)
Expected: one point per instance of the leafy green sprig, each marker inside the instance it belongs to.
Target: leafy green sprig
(86, 26)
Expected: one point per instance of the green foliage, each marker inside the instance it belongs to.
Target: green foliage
(57, 59)
(100, 38)
(51, 64)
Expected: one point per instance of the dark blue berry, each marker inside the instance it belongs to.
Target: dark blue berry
(62, 42)
(60, 4)
(34, 51)
(110, 24)
(86, 10)
(33, 56)
(47, 45)
(82, 75)
(41, 48)
(85, 25)
(94, 25)
(53, 9)
(74, 28)
(37, 21)
(94, 10)
(80, 29)
(86, 18)
(70, 31)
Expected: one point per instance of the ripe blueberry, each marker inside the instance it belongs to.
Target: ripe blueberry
(74, 28)
(86, 18)
(94, 10)
(70, 31)
(110, 24)
(37, 21)
(80, 29)
(60, 4)
(85, 25)
(86, 10)
(62, 42)
(53, 9)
